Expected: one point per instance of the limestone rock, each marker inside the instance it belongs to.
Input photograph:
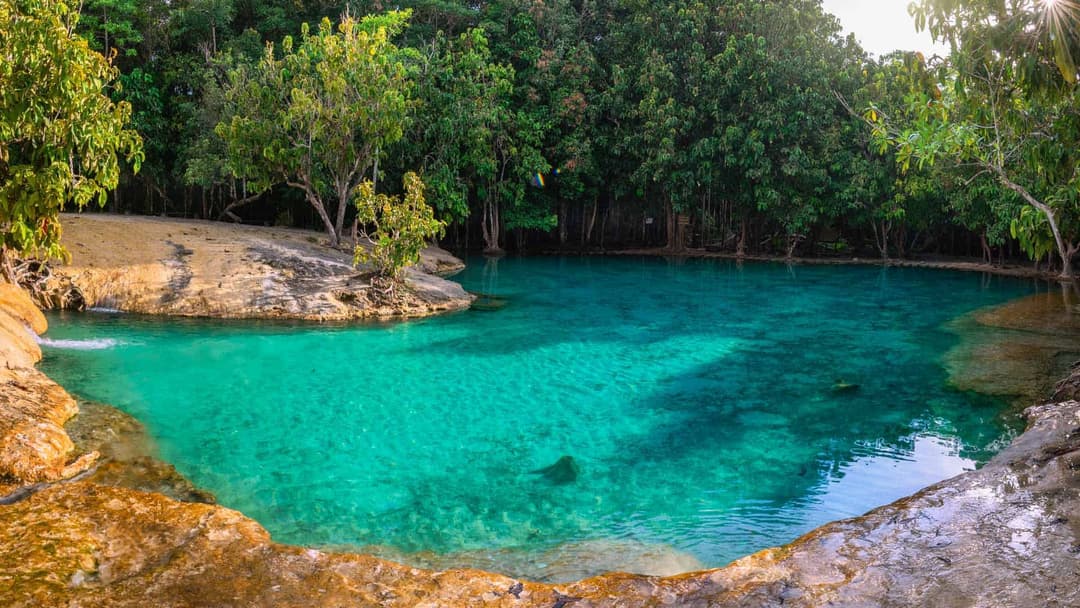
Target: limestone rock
(212, 269)
(563, 563)
(18, 304)
(1068, 389)
(18, 348)
(128, 456)
(33, 444)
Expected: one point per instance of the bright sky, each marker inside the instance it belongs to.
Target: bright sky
(882, 26)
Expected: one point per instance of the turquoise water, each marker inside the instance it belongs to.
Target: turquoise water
(697, 399)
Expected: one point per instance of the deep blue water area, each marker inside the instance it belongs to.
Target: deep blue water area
(709, 407)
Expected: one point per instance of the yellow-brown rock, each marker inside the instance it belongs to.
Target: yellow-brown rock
(17, 303)
(1019, 349)
(33, 409)
(128, 455)
(18, 347)
(33, 444)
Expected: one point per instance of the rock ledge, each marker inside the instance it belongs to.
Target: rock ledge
(211, 269)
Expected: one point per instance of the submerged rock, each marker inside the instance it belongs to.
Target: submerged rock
(840, 386)
(1068, 389)
(129, 457)
(488, 303)
(1016, 350)
(564, 471)
(563, 563)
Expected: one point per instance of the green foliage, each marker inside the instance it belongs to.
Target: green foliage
(463, 97)
(401, 226)
(1008, 112)
(112, 26)
(317, 117)
(726, 112)
(1040, 34)
(1032, 231)
(60, 135)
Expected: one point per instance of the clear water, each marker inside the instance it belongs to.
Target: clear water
(697, 398)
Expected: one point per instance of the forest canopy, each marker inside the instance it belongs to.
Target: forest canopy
(62, 139)
(751, 127)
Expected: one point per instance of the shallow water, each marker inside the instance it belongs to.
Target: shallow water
(697, 399)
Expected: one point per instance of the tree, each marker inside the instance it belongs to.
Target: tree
(401, 226)
(111, 26)
(876, 187)
(461, 90)
(318, 117)
(61, 136)
(1008, 107)
(207, 17)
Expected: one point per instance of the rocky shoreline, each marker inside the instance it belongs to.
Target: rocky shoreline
(88, 517)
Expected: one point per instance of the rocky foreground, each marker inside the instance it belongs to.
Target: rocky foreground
(212, 269)
(99, 522)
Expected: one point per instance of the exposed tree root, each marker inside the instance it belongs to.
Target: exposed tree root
(47, 290)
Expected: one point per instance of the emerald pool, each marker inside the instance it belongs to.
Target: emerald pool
(698, 399)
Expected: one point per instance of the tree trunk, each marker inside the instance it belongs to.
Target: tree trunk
(901, 241)
(228, 212)
(591, 225)
(328, 225)
(740, 248)
(881, 239)
(603, 226)
(793, 242)
(317, 204)
(331, 233)
(680, 233)
(1070, 252)
(670, 225)
(1063, 250)
(489, 225)
(343, 203)
(562, 224)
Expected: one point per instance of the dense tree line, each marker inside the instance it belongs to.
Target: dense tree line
(739, 125)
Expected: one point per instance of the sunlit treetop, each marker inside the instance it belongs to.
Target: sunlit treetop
(1029, 31)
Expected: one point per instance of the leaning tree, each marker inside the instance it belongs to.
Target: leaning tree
(1007, 107)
